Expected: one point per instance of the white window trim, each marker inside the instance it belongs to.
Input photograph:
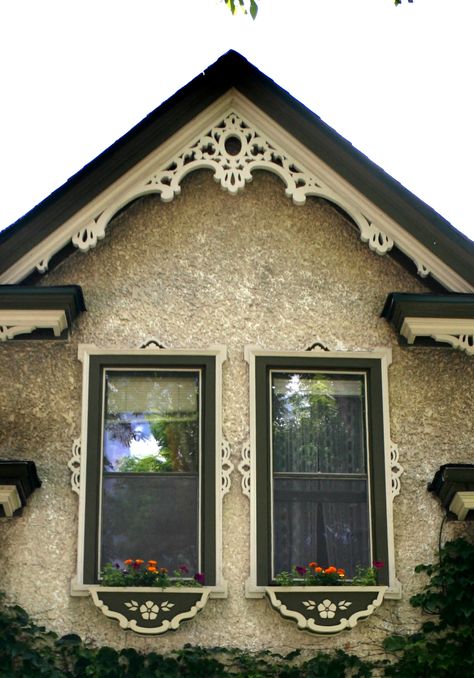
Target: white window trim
(252, 590)
(85, 351)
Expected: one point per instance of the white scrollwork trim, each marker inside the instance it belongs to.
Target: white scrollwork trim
(74, 465)
(396, 469)
(233, 149)
(87, 237)
(463, 342)
(226, 467)
(377, 240)
(422, 270)
(244, 468)
(42, 266)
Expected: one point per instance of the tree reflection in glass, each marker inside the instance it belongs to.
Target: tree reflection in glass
(320, 487)
(151, 449)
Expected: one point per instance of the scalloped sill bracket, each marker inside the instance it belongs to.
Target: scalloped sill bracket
(325, 609)
(149, 611)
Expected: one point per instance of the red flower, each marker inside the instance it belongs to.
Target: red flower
(199, 577)
(378, 564)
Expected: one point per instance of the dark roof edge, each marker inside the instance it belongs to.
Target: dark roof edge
(400, 305)
(68, 298)
(233, 70)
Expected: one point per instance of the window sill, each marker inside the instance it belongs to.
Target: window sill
(325, 609)
(149, 610)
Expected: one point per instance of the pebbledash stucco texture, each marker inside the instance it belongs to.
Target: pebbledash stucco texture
(211, 268)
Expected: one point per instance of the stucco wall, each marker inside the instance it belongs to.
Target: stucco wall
(210, 268)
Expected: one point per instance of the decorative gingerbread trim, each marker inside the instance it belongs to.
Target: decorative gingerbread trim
(396, 470)
(244, 468)
(226, 468)
(233, 146)
(74, 465)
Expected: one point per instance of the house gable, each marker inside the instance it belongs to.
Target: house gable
(270, 130)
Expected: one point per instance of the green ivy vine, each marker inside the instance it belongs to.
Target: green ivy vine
(444, 645)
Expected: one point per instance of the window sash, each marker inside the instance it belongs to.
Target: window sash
(93, 420)
(372, 370)
(171, 374)
(337, 384)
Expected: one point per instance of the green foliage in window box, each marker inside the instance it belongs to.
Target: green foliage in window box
(140, 573)
(314, 575)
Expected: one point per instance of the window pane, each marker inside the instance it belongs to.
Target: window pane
(150, 494)
(318, 423)
(153, 517)
(151, 421)
(322, 520)
(318, 428)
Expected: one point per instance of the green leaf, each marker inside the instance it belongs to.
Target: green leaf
(394, 643)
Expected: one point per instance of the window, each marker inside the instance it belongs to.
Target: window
(320, 463)
(151, 451)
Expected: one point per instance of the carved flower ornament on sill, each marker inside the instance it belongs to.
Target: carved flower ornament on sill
(135, 572)
(322, 600)
(145, 598)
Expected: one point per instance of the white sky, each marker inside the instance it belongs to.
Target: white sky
(397, 82)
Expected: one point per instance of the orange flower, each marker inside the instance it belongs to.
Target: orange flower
(341, 572)
(163, 570)
(139, 562)
(151, 569)
(330, 570)
(313, 564)
(152, 562)
(318, 569)
(128, 562)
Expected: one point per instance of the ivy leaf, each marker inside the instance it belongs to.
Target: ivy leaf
(394, 643)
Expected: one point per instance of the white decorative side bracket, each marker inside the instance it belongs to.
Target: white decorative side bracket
(74, 465)
(226, 467)
(244, 468)
(396, 469)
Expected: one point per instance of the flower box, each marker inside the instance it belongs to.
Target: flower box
(325, 609)
(150, 610)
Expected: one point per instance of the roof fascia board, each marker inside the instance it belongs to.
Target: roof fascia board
(38, 256)
(109, 166)
(429, 227)
(123, 190)
(423, 257)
